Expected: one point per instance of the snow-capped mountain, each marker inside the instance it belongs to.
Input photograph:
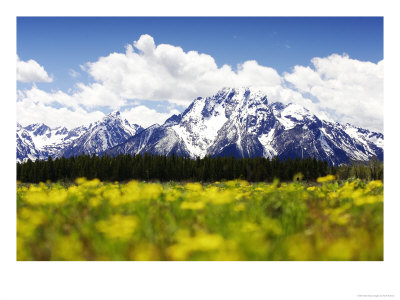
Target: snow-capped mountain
(39, 141)
(26, 148)
(112, 130)
(156, 139)
(241, 122)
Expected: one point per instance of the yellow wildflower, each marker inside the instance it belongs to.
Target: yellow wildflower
(326, 178)
(240, 207)
(215, 196)
(118, 227)
(151, 191)
(144, 252)
(200, 242)
(375, 184)
(34, 217)
(95, 201)
(172, 195)
(113, 195)
(192, 205)
(194, 187)
(368, 200)
(35, 197)
(80, 180)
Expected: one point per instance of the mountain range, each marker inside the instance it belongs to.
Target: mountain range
(39, 141)
(239, 122)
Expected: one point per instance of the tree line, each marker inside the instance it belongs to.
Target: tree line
(150, 167)
(371, 170)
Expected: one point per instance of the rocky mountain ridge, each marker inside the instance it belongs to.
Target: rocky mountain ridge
(239, 122)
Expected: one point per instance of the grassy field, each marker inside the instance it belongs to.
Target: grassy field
(233, 220)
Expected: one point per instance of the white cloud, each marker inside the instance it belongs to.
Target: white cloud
(38, 96)
(165, 72)
(351, 90)
(31, 71)
(61, 109)
(97, 95)
(341, 88)
(145, 116)
(87, 96)
(29, 112)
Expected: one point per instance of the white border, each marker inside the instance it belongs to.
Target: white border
(204, 280)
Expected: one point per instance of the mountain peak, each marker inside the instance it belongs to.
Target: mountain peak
(38, 128)
(113, 114)
(240, 94)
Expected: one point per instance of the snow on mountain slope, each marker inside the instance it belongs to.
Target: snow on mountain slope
(199, 126)
(241, 122)
(102, 135)
(46, 138)
(56, 142)
(26, 148)
(206, 120)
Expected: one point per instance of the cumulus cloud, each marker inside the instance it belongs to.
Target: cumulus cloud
(165, 72)
(30, 112)
(61, 109)
(145, 116)
(337, 87)
(87, 96)
(31, 71)
(351, 90)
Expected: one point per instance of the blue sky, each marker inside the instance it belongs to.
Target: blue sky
(62, 45)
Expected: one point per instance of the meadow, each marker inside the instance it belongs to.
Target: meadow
(231, 220)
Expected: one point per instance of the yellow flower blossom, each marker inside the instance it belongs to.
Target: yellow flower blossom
(151, 191)
(375, 184)
(35, 197)
(113, 195)
(92, 183)
(326, 178)
(118, 226)
(34, 217)
(192, 205)
(144, 252)
(80, 180)
(200, 242)
(368, 200)
(194, 187)
(240, 207)
(95, 201)
(172, 195)
(215, 196)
